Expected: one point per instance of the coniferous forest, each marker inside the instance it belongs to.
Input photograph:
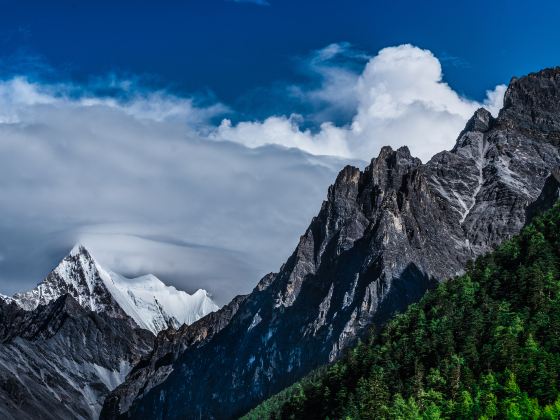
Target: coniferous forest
(484, 345)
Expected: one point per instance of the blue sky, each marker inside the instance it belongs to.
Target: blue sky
(196, 139)
(229, 48)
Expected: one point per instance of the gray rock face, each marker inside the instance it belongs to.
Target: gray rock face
(382, 238)
(59, 361)
(169, 345)
(531, 105)
(550, 194)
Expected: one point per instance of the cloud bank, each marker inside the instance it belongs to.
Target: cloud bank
(148, 182)
(139, 186)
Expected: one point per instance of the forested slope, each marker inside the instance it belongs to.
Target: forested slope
(484, 345)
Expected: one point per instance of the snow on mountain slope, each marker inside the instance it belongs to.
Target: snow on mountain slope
(4, 298)
(146, 300)
(154, 305)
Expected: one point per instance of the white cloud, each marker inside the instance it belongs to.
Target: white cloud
(285, 131)
(147, 182)
(334, 72)
(400, 99)
(135, 181)
(17, 95)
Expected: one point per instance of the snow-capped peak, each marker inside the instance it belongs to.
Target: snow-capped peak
(78, 249)
(150, 303)
(79, 275)
(156, 306)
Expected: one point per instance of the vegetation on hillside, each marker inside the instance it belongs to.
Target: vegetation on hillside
(485, 345)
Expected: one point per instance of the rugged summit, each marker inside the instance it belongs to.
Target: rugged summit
(72, 339)
(381, 239)
(79, 276)
(531, 105)
(145, 301)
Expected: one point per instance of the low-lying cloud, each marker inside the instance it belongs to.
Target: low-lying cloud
(150, 184)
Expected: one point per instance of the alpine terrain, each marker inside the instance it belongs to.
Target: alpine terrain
(383, 237)
(65, 344)
(482, 346)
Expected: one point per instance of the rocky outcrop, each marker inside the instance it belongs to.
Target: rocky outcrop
(169, 345)
(60, 361)
(549, 195)
(531, 105)
(381, 239)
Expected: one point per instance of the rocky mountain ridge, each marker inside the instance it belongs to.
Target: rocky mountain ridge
(155, 367)
(60, 360)
(381, 239)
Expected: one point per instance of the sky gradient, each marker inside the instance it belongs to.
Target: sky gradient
(230, 48)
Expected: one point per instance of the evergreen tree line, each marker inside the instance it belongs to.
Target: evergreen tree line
(484, 345)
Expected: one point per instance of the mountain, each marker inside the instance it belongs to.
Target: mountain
(153, 369)
(156, 306)
(485, 345)
(383, 237)
(72, 339)
(59, 360)
(145, 301)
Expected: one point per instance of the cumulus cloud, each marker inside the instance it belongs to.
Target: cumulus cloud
(333, 72)
(147, 181)
(400, 99)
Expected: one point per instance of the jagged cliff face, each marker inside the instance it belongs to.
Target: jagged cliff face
(550, 194)
(382, 238)
(79, 276)
(59, 361)
(531, 106)
(169, 345)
